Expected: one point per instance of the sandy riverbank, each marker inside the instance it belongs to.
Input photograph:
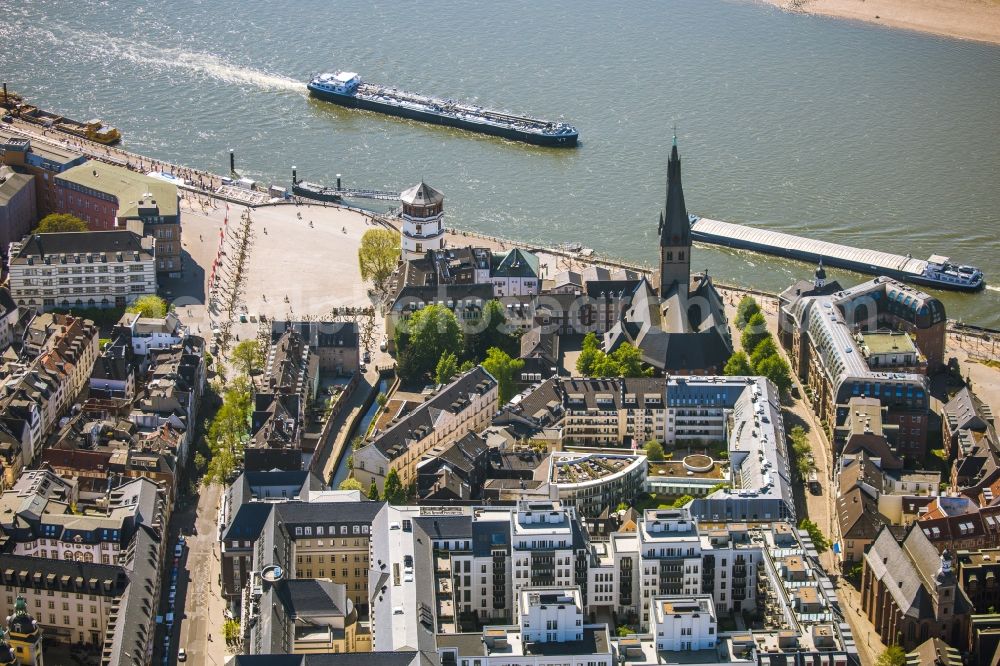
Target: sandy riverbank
(977, 20)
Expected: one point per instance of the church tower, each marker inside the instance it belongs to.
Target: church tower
(675, 232)
(423, 221)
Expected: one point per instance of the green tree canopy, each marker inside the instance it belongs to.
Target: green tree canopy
(58, 222)
(422, 339)
(754, 333)
(682, 501)
(765, 348)
(892, 656)
(350, 483)
(625, 361)
(504, 369)
(228, 430)
(392, 490)
(747, 308)
(654, 450)
(373, 491)
(816, 535)
(738, 365)
(248, 355)
(494, 333)
(378, 256)
(588, 355)
(447, 367)
(152, 307)
(776, 369)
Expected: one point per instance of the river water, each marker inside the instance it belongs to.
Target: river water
(832, 129)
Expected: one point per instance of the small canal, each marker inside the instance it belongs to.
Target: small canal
(342, 471)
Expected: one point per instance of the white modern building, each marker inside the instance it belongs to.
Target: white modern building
(683, 623)
(148, 333)
(593, 482)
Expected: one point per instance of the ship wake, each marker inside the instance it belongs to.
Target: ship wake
(110, 49)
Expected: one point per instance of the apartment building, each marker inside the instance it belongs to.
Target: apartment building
(683, 623)
(819, 333)
(466, 404)
(326, 534)
(44, 161)
(90, 571)
(82, 269)
(109, 197)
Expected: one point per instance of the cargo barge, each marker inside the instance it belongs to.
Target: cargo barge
(935, 271)
(347, 89)
(91, 130)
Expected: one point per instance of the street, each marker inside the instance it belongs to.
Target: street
(199, 610)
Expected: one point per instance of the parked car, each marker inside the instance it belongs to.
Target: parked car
(182, 655)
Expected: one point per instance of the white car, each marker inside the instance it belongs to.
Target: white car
(182, 655)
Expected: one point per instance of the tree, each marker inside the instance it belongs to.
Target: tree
(392, 491)
(764, 349)
(625, 361)
(151, 307)
(588, 355)
(738, 365)
(228, 430)
(381, 399)
(58, 222)
(249, 354)
(447, 367)
(682, 501)
(654, 450)
(747, 308)
(754, 333)
(200, 463)
(378, 255)
(629, 360)
(422, 339)
(373, 491)
(503, 368)
(892, 656)
(231, 631)
(350, 483)
(495, 333)
(776, 369)
(816, 535)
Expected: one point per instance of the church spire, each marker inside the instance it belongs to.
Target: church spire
(674, 229)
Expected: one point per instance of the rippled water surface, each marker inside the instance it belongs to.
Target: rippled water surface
(842, 131)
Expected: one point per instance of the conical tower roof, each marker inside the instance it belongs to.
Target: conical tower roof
(675, 228)
(421, 195)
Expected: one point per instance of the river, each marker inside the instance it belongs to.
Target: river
(838, 130)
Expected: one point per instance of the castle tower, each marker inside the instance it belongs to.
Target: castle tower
(675, 232)
(423, 221)
(820, 276)
(24, 635)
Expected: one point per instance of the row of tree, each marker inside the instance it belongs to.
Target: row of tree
(625, 361)
(760, 354)
(228, 431)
